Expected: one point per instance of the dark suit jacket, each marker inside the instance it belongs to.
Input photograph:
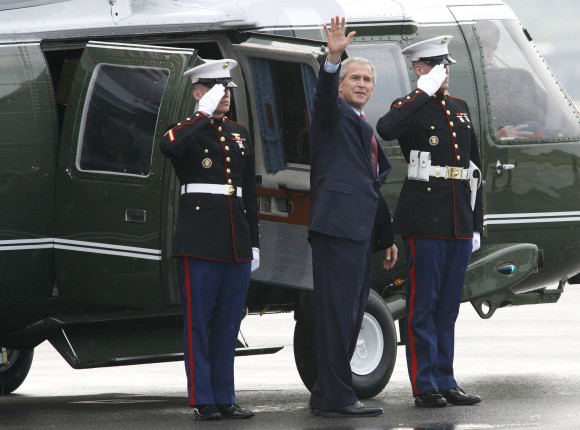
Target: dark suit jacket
(345, 195)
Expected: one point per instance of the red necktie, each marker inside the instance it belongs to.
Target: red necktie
(374, 149)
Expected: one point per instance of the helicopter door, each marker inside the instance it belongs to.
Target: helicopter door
(27, 166)
(109, 223)
(281, 78)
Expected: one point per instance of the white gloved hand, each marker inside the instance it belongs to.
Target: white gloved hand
(210, 100)
(476, 241)
(256, 260)
(432, 81)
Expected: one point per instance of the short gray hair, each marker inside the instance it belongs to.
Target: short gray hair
(360, 60)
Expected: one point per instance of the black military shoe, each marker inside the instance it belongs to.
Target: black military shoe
(430, 399)
(206, 412)
(456, 396)
(234, 412)
(353, 411)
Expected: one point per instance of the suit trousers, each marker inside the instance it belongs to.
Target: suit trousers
(437, 270)
(214, 294)
(342, 271)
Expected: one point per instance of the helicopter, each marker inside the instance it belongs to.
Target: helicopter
(87, 90)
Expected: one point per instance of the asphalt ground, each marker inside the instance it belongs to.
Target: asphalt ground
(524, 362)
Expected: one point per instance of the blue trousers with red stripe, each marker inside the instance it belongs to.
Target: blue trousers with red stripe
(214, 294)
(437, 270)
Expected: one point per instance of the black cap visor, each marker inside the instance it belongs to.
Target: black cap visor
(440, 59)
(207, 82)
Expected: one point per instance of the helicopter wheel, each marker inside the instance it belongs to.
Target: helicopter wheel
(375, 354)
(13, 374)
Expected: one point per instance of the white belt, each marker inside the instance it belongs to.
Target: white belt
(226, 190)
(449, 172)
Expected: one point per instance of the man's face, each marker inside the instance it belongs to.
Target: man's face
(424, 68)
(357, 87)
(223, 107)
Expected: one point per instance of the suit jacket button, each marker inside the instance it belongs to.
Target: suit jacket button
(197, 208)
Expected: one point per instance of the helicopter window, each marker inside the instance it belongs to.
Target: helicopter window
(392, 77)
(525, 102)
(119, 119)
(283, 93)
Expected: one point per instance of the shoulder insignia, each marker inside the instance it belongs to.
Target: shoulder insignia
(171, 135)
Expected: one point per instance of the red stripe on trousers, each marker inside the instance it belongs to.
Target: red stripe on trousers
(190, 331)
(409, 329)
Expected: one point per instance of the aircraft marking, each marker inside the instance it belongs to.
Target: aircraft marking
(81, 246)
(532, 217)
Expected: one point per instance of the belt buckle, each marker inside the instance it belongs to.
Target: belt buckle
(454, 172)
(229, 190)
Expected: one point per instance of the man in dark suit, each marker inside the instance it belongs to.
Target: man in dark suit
(439, 215)
(216, 237)
(347, 211)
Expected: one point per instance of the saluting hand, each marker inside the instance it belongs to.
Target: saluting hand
(337, 40)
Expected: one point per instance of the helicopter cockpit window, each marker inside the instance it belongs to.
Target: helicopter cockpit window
(283, 92)
(119, 119)
(525, 102)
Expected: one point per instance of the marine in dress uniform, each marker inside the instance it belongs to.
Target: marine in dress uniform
(216, 237)
(347, 212)
(438, 217)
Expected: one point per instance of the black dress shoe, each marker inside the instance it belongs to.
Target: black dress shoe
(456, 396)
(430, 399)
(234, 412)
(206, 412)
(355, 410)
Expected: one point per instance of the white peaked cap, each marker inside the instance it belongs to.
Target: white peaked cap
(435, 47)
(213, 71)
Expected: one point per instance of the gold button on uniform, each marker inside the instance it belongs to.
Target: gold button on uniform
(454, 134)
(229, 181)
(243, 153)
(443, 102)
(456, 146)
(451, 123)
(458, 157)
(197, 208)
(227, 147)
(229, 170)
(448, 112)
(408, 97)
(206, 151)
(222, 139)
(211, 121)
(219, 129)
(432, 127)
(228, 159)
(429, 189)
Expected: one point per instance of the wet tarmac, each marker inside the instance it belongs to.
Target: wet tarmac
(524, 362)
